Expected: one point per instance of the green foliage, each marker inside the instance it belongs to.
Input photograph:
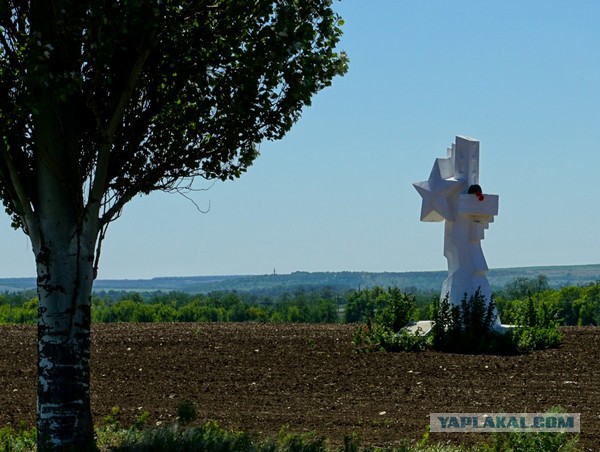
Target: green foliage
(386, 312)
(18, 307)
(391, 308)
(186, 412)
(533, 310)
(20, 439)
(211, 437)
(140, 421)
(306, 307)
(351, 442)
(155, 91)
(294, 442)
(216, 307)
(537, 321)
(541, 441)
(537, 337)
(566, 306)
(468, 327)
(537, 313)
(395, 310)
(522, 287)
(571, 305)
(171, 438)
(103, 101)
(208, 437)
(360, 306)
(546, 442)
(113, 420)
(375, 337)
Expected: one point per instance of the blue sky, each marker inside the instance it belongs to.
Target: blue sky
(336, 193)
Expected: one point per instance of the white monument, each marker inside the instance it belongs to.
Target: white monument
(453, 194)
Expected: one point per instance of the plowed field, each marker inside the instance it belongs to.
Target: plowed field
(260, 377)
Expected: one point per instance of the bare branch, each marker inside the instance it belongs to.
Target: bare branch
(180, 192)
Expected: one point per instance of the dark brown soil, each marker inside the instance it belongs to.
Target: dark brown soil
(260, 377)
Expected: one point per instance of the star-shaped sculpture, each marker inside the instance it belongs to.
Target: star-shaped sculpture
(437, 191)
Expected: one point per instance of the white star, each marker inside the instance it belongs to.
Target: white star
(437, 190)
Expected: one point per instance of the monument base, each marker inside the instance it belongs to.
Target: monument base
(424, 327)
(421, 328)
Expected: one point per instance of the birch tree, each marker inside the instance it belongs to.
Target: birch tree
(103, 100)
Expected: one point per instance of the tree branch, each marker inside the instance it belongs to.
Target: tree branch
(20, 197)
(98, 186)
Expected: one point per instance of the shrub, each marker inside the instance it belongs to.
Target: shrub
(537, 326)
(547, 442)
(531, 338)
(375, 337)
(395, 310)
(113, 420)
(468, 327)
(387, 312)
(20, 439)
(542, 441)
(210, 437)
(186, 412)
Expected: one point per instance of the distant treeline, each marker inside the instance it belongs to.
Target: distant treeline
(573, 305)
(310, 307)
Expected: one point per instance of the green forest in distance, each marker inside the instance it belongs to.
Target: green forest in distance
(569, 305)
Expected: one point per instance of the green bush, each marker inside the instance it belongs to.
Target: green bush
(211, 437)
(20, 439)
(208, 437)
(531, 338)
(375, 337)
(386, 313)
(536, 321)
(395, 310)
(543, 442)
(186, 412)
(468, 327)
(112, 421)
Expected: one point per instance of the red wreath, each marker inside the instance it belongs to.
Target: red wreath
(476, 190)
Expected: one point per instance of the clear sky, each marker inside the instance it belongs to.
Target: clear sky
(336, 193)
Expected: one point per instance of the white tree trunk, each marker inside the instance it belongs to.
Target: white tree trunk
(65, 258)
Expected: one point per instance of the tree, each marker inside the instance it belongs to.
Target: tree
(102, 100)
(522, 287)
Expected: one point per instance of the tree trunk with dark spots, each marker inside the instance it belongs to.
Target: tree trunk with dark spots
(64, 284)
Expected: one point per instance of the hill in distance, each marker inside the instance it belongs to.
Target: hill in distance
(558, 276)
